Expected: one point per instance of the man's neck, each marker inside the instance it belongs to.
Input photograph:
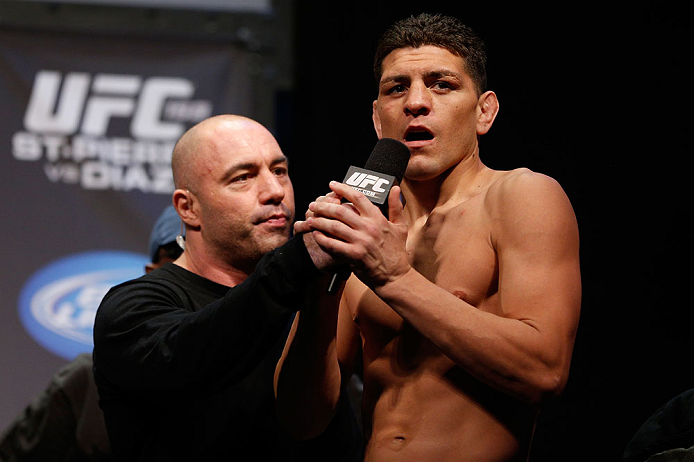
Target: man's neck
(210, 268)
(455, 185)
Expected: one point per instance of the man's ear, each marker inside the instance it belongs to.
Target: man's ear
(487, 109)
(376, 120)
(185, 204)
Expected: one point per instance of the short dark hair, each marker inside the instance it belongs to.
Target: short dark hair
(437, 30)
(170, 250)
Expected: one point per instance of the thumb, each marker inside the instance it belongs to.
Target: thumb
(395, 207)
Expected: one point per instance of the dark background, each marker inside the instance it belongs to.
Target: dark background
(593, 95)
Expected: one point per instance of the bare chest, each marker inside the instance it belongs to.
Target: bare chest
(453, 249)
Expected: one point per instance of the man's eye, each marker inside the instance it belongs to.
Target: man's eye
(240, 178)
(280, 171)
(441, 85)
(395, 89)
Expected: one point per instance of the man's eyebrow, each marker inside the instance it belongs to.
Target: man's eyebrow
(436, 73)
(280, 160)
(228, 173)
(394, 78)
(442, 73)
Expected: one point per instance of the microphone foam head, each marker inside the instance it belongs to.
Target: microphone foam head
(389, 156)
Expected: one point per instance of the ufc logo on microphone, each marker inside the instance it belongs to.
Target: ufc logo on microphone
(373, 185)
(363, 180)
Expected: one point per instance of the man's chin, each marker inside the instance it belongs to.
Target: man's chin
(271, 241)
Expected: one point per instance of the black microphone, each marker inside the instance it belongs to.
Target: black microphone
(384, 169)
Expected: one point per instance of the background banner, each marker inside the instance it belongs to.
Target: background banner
(88, 126)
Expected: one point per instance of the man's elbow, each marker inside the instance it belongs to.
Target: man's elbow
(547, 386)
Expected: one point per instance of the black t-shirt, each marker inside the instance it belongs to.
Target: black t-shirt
(184, 365)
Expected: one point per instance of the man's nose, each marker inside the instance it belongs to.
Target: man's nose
(418, 100)
(271, 189)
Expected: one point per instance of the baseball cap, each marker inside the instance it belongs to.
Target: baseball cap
(165, 230)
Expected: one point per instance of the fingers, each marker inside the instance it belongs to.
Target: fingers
(301, 227)
(395, 208)
(332, 246)
(334, 227)
(330, 197)
(338, 219)
(362, 204)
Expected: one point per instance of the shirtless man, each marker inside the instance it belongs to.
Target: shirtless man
(466, 302)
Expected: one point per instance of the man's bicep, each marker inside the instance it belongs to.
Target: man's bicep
(539, 276)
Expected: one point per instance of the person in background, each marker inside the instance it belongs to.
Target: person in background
(166, 241)
(64, 422)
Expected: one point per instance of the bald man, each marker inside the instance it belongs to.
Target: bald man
(184, 356)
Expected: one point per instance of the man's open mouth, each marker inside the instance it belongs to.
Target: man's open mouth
(418, 134)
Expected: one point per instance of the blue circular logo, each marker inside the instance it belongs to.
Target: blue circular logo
(58, 303)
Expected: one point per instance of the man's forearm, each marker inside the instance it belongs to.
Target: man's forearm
(307, 378)
(522, 358)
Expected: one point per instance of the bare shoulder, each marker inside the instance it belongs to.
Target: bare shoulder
(523, 198)
(522, 180)
(523, 187)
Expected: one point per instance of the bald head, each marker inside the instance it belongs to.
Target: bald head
(233, 193)
(200, 141)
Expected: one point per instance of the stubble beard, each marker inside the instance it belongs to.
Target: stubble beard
(246, 250)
